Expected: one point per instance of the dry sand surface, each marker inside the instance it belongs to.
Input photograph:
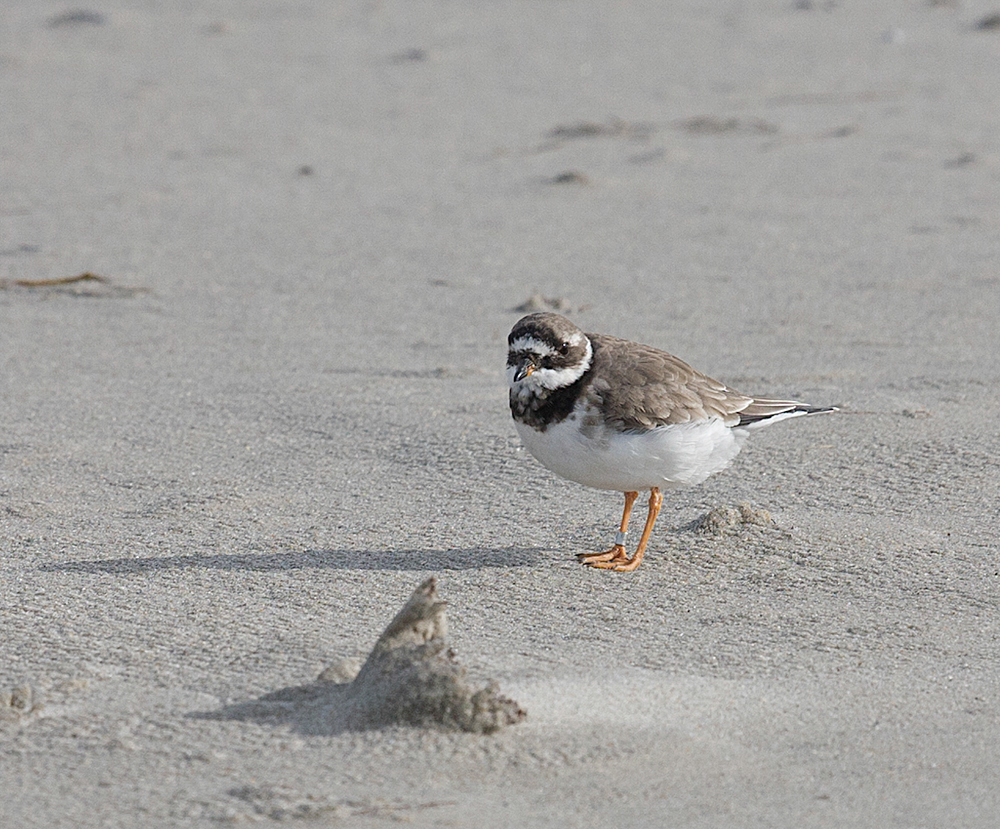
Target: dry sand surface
(227, 462)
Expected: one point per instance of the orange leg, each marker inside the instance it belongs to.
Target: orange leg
(625, 564)
(617, 552)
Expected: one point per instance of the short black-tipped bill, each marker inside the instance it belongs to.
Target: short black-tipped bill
(525, 368)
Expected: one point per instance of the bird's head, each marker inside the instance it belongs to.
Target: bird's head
(546, 352)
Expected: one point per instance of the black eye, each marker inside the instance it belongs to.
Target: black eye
(564, 349)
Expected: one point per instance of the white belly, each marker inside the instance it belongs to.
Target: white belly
(669, 456)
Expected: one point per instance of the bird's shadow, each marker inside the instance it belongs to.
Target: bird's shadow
(471, 558)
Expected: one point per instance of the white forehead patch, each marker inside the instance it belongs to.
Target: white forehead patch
(531, 345)
(543, 349)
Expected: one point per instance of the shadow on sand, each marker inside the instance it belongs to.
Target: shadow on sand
(473, 558)
(306, 709)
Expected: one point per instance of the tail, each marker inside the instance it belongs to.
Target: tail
(762, 411)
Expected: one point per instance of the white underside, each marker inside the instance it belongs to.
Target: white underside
(669, 456)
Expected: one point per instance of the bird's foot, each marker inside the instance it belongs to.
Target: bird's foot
(619, 565)
(604, 560)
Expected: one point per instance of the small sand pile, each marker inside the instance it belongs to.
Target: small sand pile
(411, 677)
(728, 520)
(17, 703)
(537, 302)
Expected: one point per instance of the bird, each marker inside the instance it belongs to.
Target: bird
(618, 415)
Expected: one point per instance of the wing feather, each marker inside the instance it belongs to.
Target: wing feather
(640, 387)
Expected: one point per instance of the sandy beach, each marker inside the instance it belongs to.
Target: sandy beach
(278, 405)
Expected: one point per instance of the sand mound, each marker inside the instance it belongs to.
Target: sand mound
(726, 520)
(410, 678)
